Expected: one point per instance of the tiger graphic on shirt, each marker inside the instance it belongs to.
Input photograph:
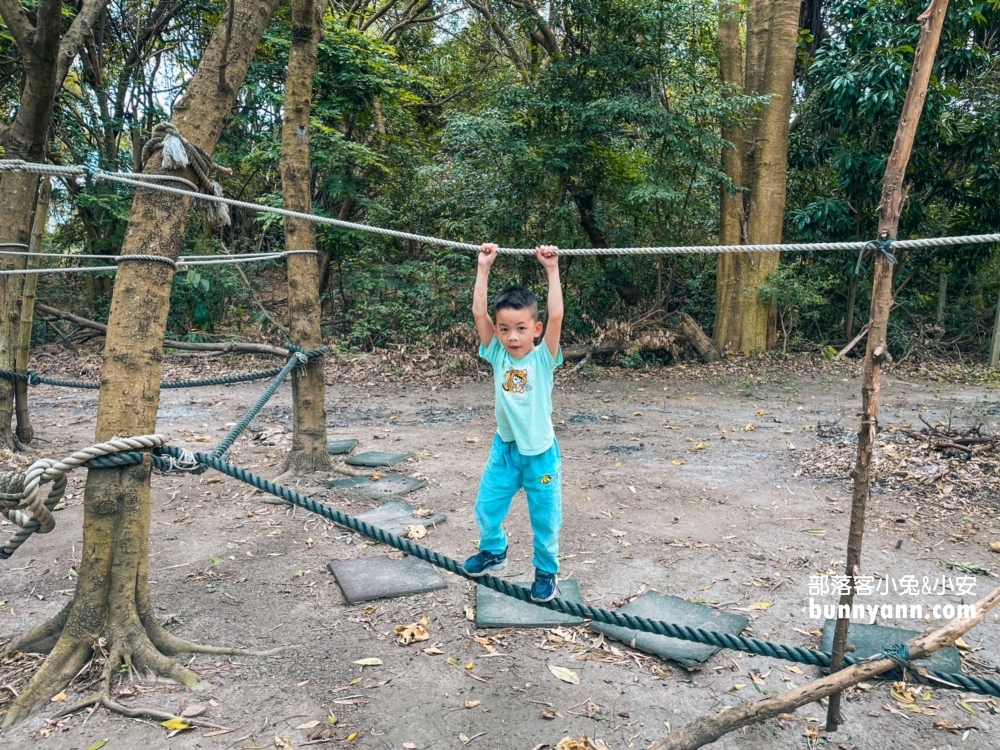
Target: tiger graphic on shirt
(516, 381)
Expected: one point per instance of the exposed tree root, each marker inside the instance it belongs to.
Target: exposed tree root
(103, 697)
(40, 640)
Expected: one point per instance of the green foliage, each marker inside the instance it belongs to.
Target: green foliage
(453, 129)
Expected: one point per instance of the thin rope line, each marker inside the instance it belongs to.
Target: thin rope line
(144, 181)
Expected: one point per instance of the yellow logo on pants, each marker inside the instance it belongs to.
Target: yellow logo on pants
(546, 479)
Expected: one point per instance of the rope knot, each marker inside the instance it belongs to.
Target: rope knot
(301, 357)
(33, 378)
(899, 654)
(177, 153)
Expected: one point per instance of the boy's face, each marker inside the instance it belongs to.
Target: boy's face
(517, 330)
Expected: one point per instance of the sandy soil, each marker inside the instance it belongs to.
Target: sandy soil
(665, 489)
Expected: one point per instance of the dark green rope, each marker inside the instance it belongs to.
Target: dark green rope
(609, 617)
(33, 378)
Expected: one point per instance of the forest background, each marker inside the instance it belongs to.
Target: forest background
(577, 123)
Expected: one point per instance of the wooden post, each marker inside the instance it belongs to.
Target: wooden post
(942, 296)
(877, 351)
(24, 431)
(995, 347)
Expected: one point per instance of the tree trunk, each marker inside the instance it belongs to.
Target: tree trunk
(729, 265)
(626, 288)
(852, 299)
(112, 595)
(308, 384)
(45, 60)
(995, 342)
(942, 297)
(24, 431)
(877, 349)
(743, 321)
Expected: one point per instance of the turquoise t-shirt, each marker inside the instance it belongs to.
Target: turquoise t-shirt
(524, 395)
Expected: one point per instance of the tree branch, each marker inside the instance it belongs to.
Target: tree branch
(710, 728)
(74, 37)
(18, 23)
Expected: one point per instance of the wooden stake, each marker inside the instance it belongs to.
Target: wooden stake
(710, 728)
(24, 431)
(995, 347)
(877, 350)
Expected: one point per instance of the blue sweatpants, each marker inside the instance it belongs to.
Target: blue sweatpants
(506, 472)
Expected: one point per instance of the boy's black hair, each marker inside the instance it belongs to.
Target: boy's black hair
(516, 298)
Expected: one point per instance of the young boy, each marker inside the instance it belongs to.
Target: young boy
(524, 453)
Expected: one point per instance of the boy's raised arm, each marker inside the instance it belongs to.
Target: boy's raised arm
(484, 324)
(548, 256)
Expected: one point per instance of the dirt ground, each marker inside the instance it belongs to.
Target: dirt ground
(722, 484)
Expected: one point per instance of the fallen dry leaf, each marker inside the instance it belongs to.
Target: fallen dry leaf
(417, 631)
(194, 709)
(59, 697)
(416, 531)
(309, 724)
(472, 704)
(995, 546)
(566, 675)
(281, 743)
(372, 661)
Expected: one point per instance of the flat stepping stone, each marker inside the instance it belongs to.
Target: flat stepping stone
(869, 640)
(340, 447)
(391, 485)
(384, 578)
(374, 458)
(656, 606)
(395, 516)
(495, 610)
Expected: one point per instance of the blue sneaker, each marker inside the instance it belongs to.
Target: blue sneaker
(544, 589)
(481, 564)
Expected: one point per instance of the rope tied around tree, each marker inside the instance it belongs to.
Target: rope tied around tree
(21, 500)
(177, 153)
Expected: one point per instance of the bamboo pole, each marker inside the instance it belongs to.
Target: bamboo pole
(24, 432)
(877, 350)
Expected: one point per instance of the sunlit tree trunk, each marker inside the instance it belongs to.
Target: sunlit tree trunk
(308, 384)
(743, 321)
(112, 595)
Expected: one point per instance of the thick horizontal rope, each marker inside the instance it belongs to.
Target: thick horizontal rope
(47, 470)
(32, 377)
(131, 179)
(150, 258)
(186, 259)
(167, 457)
(180, 264)
(162, 458)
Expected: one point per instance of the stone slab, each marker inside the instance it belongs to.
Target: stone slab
(869, 640)
(656, 606)
(391, 485)
(384, 578)
(395, 516)
(494, 610)
(340, 447)
(374, 458)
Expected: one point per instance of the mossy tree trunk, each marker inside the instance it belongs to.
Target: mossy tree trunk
(112, 595)
(308, 384)
(743, 321)
(45, 58)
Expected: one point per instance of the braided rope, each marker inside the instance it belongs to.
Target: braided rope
(167, 457)
(47, 470)
(522, 593)
(133, 180)
(151, 258)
